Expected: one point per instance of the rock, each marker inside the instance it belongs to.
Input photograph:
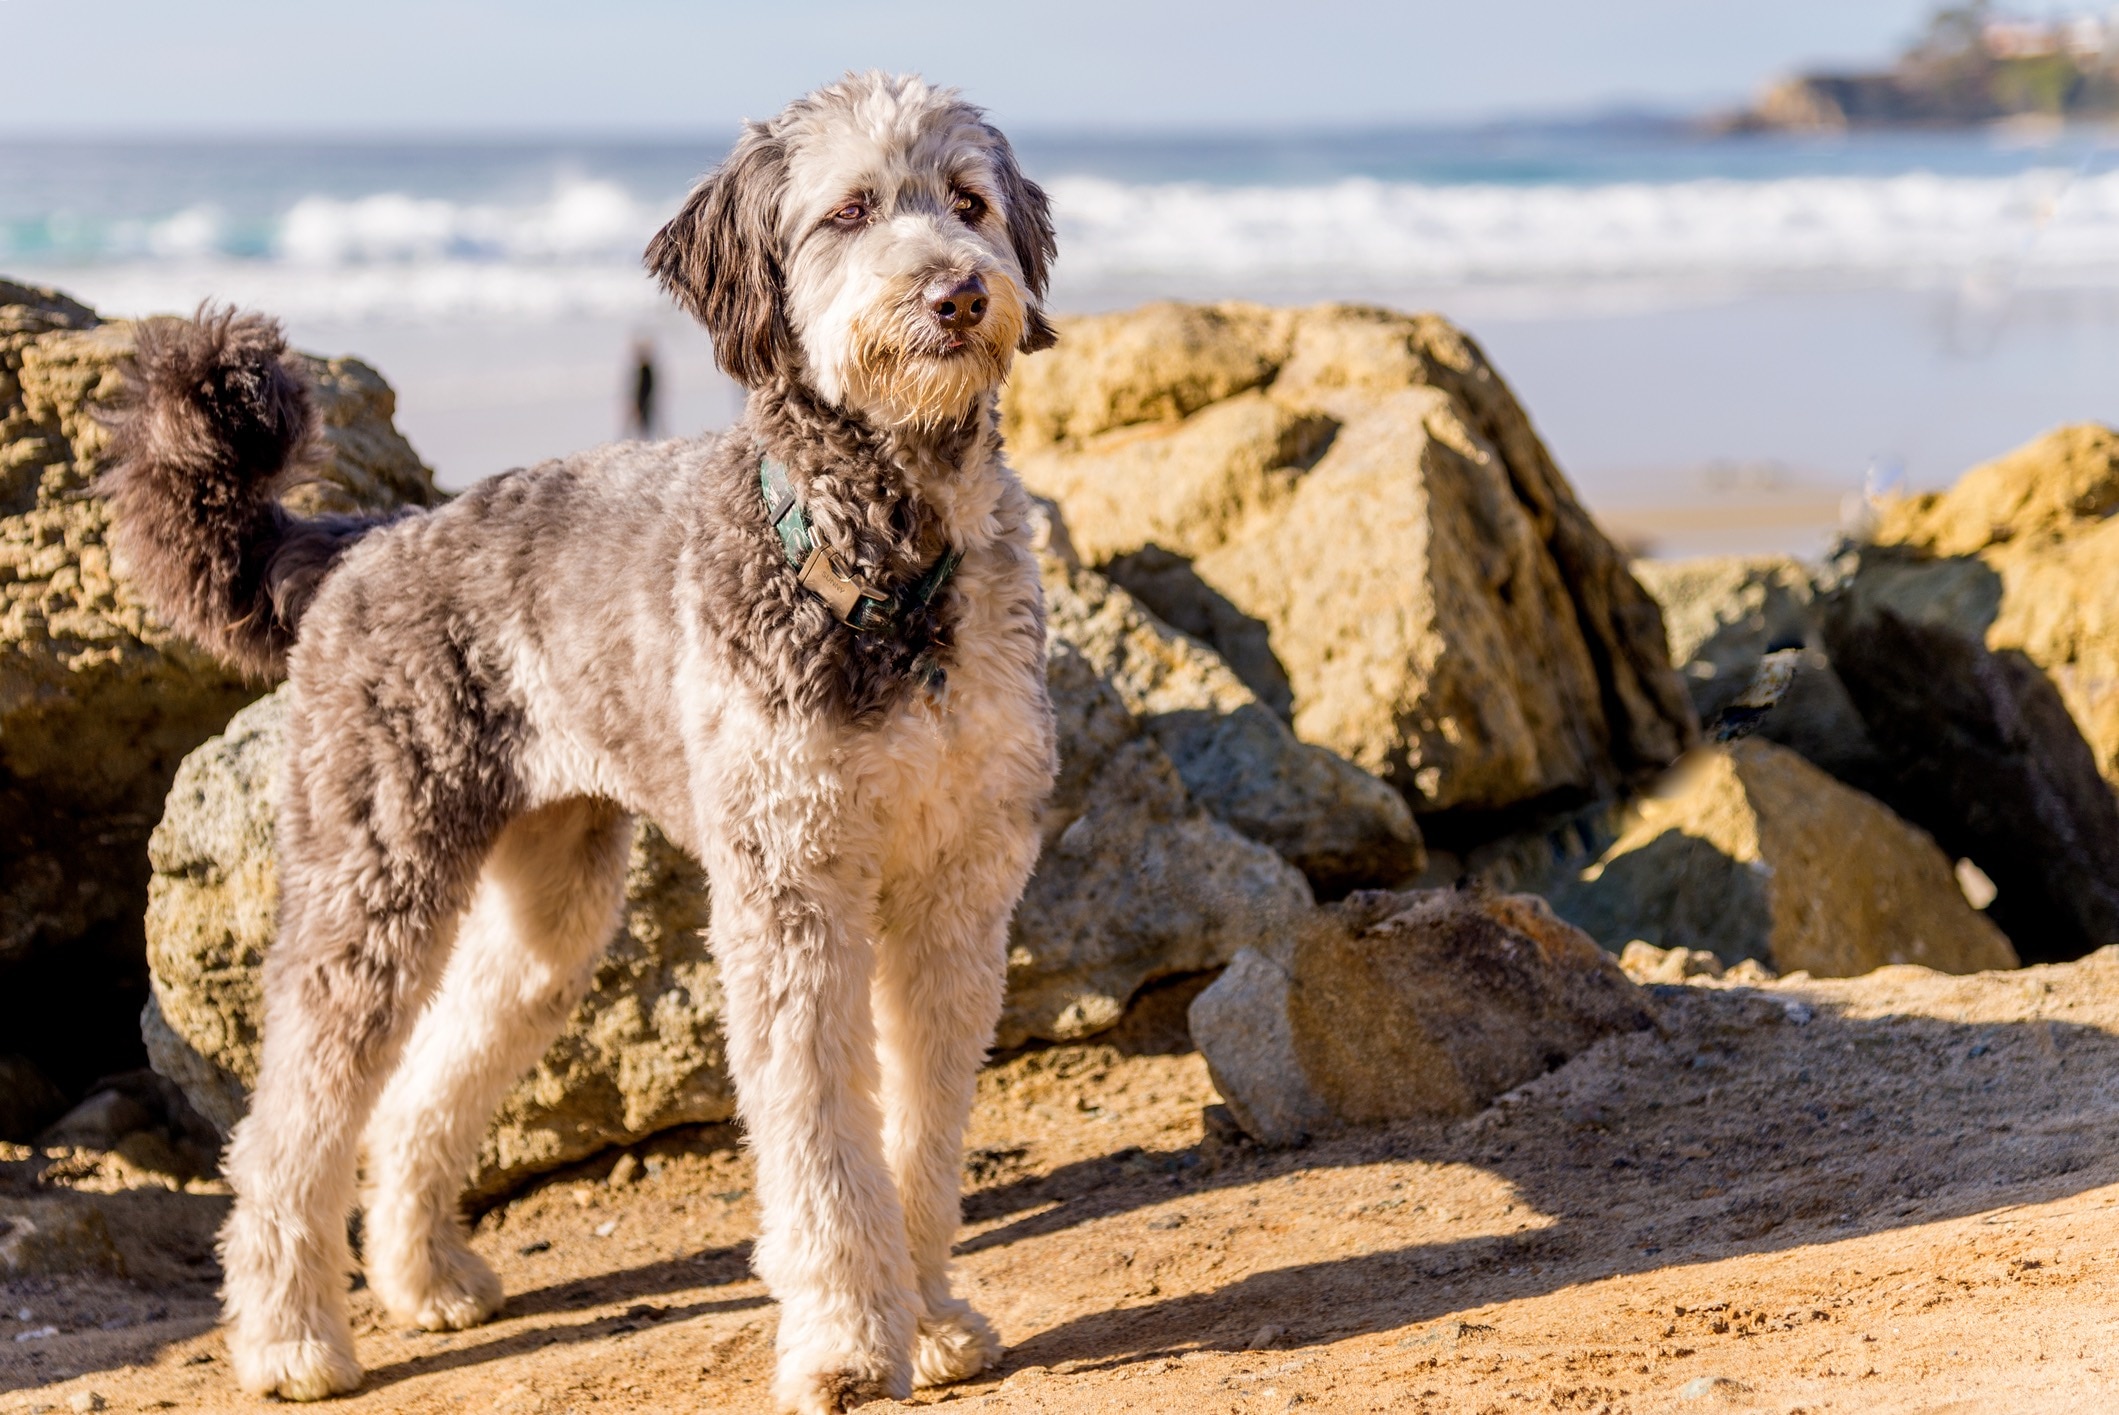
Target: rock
(1744, 635)
(1140, 884)
(2051, 488)
(99, 1122)
(55, 1238)
(1643, 962)
(144, 1117)
(1752, 852)
(1977, 641)
(98, 703)
(644, 1051)
(1351, 507)
(1336, 823)
(1396, 1006)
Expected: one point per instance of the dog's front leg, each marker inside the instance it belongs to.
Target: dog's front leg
(938, 993)
(795, 951)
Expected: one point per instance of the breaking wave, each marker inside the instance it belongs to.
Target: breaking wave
(576, 249)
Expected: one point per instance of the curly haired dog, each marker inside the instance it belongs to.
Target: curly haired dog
(812, 649)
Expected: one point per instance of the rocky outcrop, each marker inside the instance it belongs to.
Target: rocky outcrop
(1351, 506)
(1976, 639)
(1333, 821)
(1394, 1006)
(1750, 852)
(98, 702)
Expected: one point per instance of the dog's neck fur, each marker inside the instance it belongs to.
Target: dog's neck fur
(888, 504)
(887, 501)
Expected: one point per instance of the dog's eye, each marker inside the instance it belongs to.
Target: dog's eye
(969, 207)
(851, 214)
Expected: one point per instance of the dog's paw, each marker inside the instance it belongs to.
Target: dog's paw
(953, 1346)
(447, 1288)
(308, 1368)
(839, 1386)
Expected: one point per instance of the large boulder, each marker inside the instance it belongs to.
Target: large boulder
(98, 702)
(1139, 880)
(1351, 506)
(1397, 1006)
(1977, 638)
(1752, 852)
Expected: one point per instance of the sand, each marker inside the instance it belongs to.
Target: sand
(1894, 1193)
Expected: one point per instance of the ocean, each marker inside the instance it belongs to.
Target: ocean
(1726, 340)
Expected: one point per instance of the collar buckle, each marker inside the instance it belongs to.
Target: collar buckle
(849, 598)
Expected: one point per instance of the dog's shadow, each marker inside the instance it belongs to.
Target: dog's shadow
(714, 1268)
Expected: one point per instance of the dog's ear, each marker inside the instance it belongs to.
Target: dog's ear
(1030, 232)
(719, 257)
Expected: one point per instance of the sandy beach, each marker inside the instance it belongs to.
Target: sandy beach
(1894, 1195)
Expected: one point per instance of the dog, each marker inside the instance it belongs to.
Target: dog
(812, 649)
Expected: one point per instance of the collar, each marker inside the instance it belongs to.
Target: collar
(853, 600)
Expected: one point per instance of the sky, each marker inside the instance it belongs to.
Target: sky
(541, 66)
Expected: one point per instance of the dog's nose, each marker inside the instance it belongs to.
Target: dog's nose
(961, 306)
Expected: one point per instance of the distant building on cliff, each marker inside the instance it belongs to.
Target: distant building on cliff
(1974, 64)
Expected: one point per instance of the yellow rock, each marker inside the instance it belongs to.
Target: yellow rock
(98, 702)
(1350, 506)
(2053, 486)
(1751, 852)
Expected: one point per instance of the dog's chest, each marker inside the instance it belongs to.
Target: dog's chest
(984, 740)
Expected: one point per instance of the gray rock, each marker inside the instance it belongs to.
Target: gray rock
(1333, 821)
(1141, 884)
(1745, 636)
(1395, 1006)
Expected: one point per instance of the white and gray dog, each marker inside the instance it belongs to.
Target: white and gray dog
(812, 649)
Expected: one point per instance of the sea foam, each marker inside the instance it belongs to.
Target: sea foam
(575, 250)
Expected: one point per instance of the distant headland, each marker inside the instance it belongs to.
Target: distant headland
(1973, 64)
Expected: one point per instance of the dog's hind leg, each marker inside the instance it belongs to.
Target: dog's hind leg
(938, 993)
(547, 903)
(378, 853)
(795, 958)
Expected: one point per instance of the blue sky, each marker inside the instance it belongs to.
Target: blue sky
(659, 65)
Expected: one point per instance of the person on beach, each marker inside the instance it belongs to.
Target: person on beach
(642, 421)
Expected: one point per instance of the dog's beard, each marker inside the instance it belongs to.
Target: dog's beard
(901, 366)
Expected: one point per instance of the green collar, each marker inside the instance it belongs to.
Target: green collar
(853, 600)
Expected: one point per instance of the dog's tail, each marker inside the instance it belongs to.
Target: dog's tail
(220, 425)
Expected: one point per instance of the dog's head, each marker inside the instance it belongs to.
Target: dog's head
(876, 241)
